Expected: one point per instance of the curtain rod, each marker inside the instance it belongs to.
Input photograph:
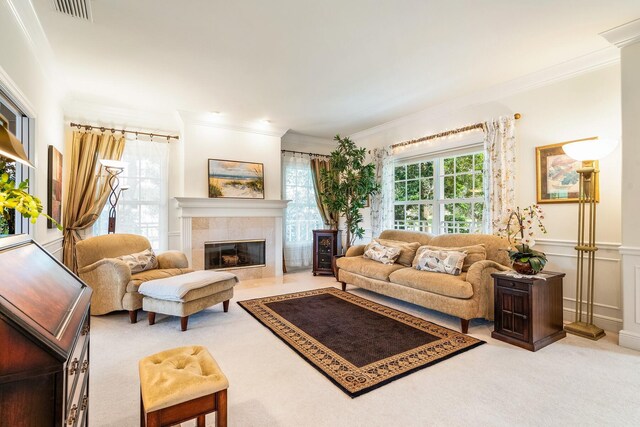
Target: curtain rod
(306, 154)
(445, 133)
(123, 131)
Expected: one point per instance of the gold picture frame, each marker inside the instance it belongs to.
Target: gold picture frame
(557, 178)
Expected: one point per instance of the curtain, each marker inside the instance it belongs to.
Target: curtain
(87, 193)
(382, 201)
(302, 215)
(329, 218)
(142, 209)
(499, 166)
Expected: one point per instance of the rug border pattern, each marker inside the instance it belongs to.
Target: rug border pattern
(351, 379)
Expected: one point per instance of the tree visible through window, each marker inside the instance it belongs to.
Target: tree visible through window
(440, 195)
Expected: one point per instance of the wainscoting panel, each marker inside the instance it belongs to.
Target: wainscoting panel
(607, 310)
(630, 333)
(54, 247)
(175, 241)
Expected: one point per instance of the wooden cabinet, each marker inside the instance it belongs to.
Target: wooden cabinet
(326, 244)
(44, 340)
(528, 311)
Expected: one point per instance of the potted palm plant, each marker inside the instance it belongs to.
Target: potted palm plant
(519, 230)
(348, 183)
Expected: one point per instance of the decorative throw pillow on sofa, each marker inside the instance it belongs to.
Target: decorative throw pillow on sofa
(384, 254)
(474, 253)
(407, 250)
(140, 261)
(449, 262)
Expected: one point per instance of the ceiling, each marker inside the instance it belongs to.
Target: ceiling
(316, 67)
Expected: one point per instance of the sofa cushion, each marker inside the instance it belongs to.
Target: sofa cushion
(437, 283)
(439, 261)
(381, 253)
(407, 250)
(138, 278)
(474, 253)
(140, 261)
(367, 267)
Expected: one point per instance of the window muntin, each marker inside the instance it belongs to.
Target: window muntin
(441, 194)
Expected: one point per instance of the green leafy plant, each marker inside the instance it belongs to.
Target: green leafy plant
(18, 199)
(519, 227)
(348, 183)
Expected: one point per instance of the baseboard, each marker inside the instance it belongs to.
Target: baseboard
(605, 322)
(629, 339)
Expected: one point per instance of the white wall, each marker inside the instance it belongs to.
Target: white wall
(26, 75)
(579, 107)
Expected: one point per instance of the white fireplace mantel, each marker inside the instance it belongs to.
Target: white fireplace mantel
(197, 207)
(193, 207)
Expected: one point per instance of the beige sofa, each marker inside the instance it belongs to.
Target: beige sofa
(467, 296)
(114, 287)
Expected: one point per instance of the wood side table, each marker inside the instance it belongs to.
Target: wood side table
(326, 244)
(528, 310)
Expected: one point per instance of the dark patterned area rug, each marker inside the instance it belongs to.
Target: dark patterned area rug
(358, 344)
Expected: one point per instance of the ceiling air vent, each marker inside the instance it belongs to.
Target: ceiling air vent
(76, 8)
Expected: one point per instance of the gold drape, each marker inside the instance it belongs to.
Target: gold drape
(87, 193)
(329, 218)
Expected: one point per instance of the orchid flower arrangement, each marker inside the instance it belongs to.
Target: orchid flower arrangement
(12, 197)
(519, 228)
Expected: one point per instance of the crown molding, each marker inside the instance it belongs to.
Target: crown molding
(565, 70)
(203, 119)
(12, 90)
(623, 35)
(294, 138)
(27, 19)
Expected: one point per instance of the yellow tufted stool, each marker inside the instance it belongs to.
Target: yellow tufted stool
(181, 384)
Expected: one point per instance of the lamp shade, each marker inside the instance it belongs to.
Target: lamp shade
(112, 164)
(590, 149)
(10, 146)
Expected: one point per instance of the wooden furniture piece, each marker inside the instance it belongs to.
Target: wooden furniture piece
(171, 394)
(528, 310)
(44, 340)
(326, 244)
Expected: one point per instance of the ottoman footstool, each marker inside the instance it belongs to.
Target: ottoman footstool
(181, 384)
(187, 294)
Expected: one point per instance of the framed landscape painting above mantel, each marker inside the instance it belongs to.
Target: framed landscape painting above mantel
(235, 179)
(557, 178)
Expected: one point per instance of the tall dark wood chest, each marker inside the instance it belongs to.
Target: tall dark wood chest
(326, 244)
(44, 340)
(528, 310)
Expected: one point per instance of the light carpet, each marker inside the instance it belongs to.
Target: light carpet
(571, 382)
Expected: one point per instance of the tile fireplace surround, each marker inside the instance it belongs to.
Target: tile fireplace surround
(204, 220)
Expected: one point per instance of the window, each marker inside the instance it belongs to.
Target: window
(142, 209)
(440, 194)
(20, 125)
(302, 215)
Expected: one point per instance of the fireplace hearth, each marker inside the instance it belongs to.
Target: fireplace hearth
(234, 254)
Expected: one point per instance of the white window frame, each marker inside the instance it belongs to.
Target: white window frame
(440, 226)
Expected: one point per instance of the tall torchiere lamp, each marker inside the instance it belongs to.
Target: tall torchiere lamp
(113, 168)
(588, 151)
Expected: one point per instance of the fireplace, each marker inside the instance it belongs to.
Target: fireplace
(232, 254)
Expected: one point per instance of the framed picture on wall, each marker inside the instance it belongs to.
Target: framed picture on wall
(54, 187)
(557, 178)
(234, 179)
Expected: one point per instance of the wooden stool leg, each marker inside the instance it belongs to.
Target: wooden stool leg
(221, 406)
(201, 421)
(225, 305)
(152, 318)
(133, 316)
(183, 323)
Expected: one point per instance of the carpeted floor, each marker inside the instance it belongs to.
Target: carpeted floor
(356, 343)
(571, 382)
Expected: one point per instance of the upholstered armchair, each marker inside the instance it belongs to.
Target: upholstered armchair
(114, 286)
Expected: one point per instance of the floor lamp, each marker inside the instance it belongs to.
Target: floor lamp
(588, 151)
(113, 168)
